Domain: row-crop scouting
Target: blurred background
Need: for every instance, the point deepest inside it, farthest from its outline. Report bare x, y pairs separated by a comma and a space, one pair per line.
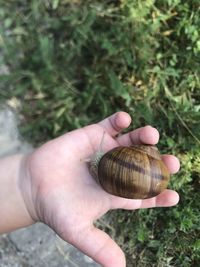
65, 64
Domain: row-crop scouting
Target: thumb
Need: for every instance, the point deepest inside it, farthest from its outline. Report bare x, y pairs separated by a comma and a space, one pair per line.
100, 247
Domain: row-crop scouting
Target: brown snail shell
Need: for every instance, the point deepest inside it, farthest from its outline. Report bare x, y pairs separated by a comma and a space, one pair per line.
136, 172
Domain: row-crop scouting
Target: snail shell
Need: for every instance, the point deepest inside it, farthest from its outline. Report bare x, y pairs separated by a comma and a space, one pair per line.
136, 172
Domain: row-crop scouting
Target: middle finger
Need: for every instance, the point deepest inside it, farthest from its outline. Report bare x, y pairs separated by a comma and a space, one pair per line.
144, 135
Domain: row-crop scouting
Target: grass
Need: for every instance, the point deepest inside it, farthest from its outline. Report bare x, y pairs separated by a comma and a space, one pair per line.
75, 62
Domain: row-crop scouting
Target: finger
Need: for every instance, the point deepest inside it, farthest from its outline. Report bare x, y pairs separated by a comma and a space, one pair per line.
172, 163
167, 198
145, 135
116, 122
100, 247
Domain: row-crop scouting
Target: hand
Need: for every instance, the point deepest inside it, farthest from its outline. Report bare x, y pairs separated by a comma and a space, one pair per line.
59, 191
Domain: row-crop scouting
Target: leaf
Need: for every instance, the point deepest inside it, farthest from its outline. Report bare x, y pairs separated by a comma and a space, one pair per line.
55, 4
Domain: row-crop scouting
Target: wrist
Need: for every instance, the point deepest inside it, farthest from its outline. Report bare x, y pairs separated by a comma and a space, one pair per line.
13, 209
26, 187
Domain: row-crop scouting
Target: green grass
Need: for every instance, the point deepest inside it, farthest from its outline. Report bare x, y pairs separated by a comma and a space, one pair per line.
75, 62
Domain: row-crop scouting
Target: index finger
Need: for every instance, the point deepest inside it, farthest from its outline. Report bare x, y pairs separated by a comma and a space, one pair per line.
115, 123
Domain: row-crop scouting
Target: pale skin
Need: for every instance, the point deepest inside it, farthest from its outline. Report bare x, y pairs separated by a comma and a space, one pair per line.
53, 185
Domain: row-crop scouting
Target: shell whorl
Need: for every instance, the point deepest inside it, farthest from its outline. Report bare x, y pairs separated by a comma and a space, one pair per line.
133, 172
136, 172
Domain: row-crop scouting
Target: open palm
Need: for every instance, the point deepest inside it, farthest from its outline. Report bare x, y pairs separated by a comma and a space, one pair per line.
63, 194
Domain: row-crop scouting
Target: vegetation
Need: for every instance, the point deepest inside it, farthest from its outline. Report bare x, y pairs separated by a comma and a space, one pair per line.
75, 62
